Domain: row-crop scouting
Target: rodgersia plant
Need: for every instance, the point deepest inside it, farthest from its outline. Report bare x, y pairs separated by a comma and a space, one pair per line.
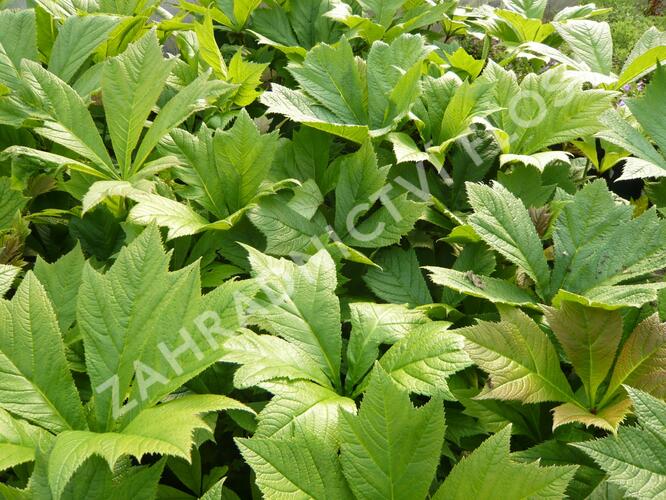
330, 249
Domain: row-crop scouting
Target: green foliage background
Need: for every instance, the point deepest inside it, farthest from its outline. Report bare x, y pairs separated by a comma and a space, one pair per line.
359, 249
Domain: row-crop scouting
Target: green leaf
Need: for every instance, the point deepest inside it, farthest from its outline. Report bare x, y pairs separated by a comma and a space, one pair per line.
208, 49
8, 275
642, 64
598, 244
467, 103
520, 359
302, 405
11, 203
135, 320
393, 79
358, 183
46, 397
591, 43
18, 441
545, 109
197, 169
131, 84
302, 466
243, 159
461, 60
613, 297
399, 280
18, 35
247, 75
286, 231
641, 359
504, 223
391, 449
387, 225
26, 161
68, 121
166, 429
648, 107
373, 325
61, 281
533, 9
298, 303
422, 361
76, 41
299, 107
503, 478
634, 459
190, 99
295, 28
590, 338
607, 418
94, 477
649, 162
179, 218
341, 97
265, 358
495, 290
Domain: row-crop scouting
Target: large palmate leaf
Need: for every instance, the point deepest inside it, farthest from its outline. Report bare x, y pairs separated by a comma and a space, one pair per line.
590, 338
520, 359
594, 250
503, 478
380, 444
635, 459
131, 85
128, 99
545, 109
354, 101
373, 325
135, 319
388, 19
166, 429
243, 159
444, 112
296, 28
597, 247
523, 363
226, 173
648, 110
29, 341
